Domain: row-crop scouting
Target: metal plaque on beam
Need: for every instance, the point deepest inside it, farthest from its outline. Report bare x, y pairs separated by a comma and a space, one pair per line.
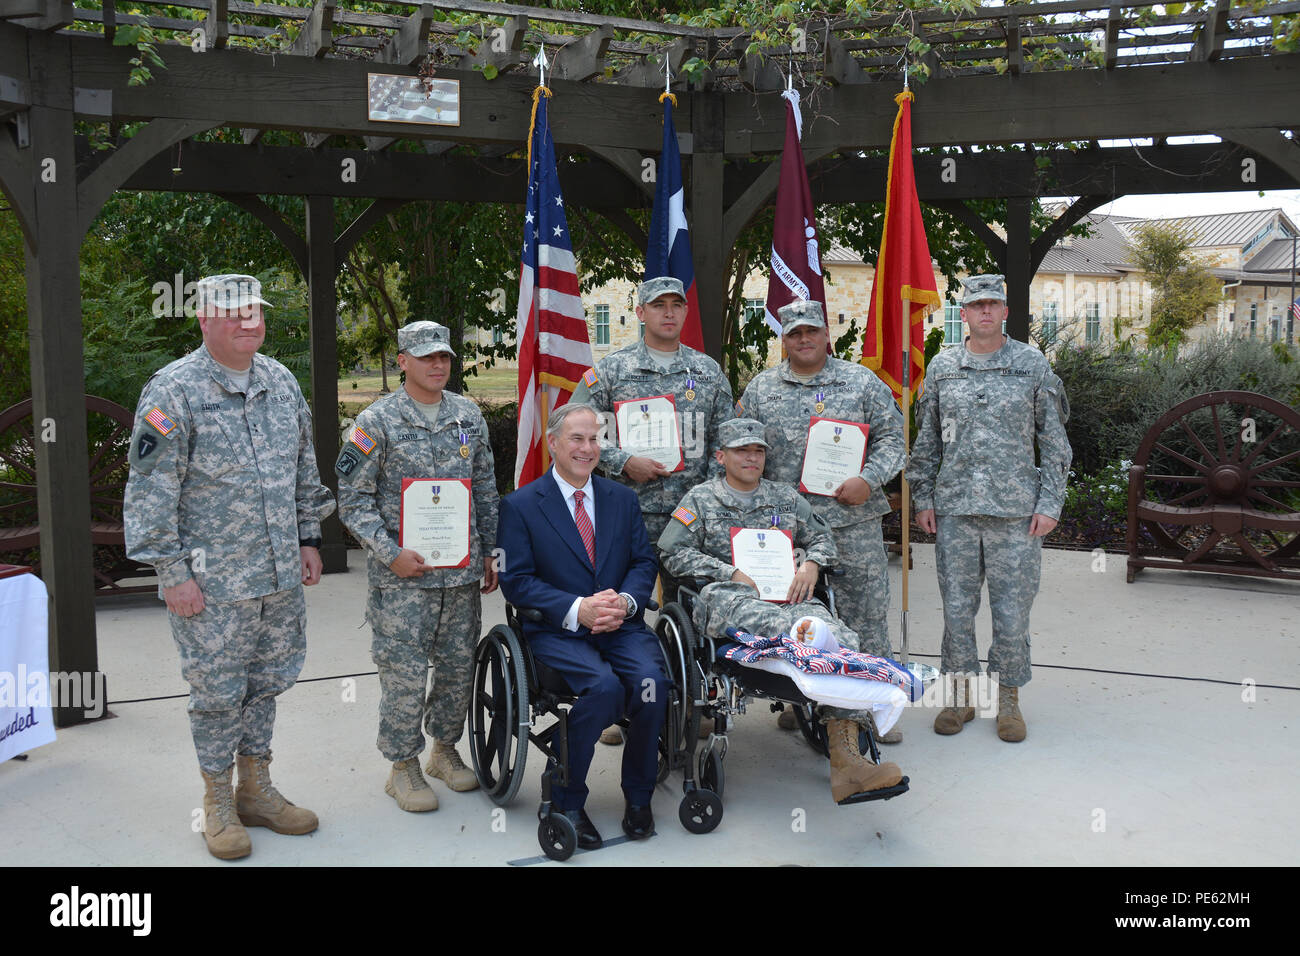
413, 99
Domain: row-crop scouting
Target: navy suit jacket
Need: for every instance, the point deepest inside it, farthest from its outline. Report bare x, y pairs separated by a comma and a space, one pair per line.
545, 564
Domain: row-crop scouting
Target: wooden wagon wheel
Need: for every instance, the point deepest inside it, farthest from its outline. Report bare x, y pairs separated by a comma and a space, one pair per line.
108, 433
1221, 470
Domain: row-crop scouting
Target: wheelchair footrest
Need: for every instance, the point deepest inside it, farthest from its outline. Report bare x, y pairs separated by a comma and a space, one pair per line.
885, 793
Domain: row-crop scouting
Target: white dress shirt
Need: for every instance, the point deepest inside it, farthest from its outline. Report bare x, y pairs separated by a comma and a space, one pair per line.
567, 490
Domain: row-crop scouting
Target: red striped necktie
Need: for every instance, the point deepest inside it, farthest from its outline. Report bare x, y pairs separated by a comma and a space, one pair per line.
585, 530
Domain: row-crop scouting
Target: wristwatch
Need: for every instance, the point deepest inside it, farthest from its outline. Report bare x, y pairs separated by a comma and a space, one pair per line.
310, 542
631, 603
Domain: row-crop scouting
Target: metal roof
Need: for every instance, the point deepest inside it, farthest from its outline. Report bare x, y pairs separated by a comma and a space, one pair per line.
1220, 229
1105, 252
1273, 256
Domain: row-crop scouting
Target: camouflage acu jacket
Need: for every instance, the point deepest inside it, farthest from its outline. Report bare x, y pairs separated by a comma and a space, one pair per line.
977, 427
223, 483
847, 391
402, 444
631, 373
697, 541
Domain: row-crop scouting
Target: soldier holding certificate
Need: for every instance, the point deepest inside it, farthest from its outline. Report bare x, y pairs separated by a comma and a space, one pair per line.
681, 389
810, 384
418, 489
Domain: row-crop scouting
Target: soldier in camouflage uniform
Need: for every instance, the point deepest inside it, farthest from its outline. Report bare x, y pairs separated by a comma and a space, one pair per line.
984, 408
697, 544
221, 450
420, 613
659, 365
810, 383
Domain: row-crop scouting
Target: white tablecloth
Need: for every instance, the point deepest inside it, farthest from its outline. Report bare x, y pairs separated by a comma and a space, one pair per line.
26, 721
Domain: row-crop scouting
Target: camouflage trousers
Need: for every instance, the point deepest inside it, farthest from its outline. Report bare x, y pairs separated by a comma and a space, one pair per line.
414, 627
862, 590
969, 548
237, 657
725, 604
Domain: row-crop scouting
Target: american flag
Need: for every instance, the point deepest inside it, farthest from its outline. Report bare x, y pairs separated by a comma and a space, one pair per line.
554, 349
1295, 309
160, 421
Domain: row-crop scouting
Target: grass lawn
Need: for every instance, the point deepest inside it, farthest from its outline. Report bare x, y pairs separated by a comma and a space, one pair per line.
493, 385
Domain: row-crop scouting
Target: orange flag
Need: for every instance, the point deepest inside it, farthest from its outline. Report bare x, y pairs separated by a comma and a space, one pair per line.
904, 291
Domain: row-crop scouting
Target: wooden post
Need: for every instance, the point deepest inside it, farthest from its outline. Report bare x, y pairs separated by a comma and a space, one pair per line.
323, 305
706, 217
58, 407
1019, 268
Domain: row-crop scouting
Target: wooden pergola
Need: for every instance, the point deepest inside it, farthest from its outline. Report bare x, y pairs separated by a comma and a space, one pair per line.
1052, 80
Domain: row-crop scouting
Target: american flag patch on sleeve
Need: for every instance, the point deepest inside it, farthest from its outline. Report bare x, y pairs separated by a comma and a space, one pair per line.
362, 441
685, 515
159, 421
589, 378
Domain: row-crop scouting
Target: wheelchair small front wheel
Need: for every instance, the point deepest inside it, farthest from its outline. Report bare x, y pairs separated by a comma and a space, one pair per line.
557, 836
700, 811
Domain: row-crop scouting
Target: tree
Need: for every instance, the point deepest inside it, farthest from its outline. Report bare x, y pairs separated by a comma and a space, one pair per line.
1183, 289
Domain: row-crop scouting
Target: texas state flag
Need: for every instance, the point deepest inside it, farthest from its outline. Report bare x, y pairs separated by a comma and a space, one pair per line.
668, 251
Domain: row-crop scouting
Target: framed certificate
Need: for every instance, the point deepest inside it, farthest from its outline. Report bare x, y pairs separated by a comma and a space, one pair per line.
648, 427
767, 556
836, 452
435, 520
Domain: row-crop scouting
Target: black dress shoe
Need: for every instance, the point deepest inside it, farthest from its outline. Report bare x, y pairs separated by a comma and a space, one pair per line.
588, 836
638, 822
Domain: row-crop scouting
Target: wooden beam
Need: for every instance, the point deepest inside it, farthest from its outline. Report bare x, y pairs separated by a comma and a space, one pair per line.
706, 217
583, 58
620, 219
1015, 49
996, 245
293, 243
649, 72
110, 19
410, 41
1209, 42
758, 73
38, 15
757, 195
377, 143
322, 307
316, 38
109, 175
1050, 236
1114, 19
316, 140
500, 51
364, 223
1269, 143
1016, 267
628, 162
839, 63
217, 24
12, 9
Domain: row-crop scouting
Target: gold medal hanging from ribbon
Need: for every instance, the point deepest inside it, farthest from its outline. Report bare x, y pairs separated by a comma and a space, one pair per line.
821, 402
464, 445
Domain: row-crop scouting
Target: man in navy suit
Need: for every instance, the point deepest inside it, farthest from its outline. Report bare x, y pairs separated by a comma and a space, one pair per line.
575, 549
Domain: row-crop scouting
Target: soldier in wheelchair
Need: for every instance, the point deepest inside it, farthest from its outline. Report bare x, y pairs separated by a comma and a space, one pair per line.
697, 547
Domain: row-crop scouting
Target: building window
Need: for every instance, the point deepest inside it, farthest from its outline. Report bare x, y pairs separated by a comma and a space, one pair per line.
496, 336
1253, 318
1051, 320
754, 309
1092, 324
602, 325
841, 318
951, 324
1275, 327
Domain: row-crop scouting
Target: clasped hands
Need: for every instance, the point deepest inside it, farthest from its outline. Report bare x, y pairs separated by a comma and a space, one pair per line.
602, 612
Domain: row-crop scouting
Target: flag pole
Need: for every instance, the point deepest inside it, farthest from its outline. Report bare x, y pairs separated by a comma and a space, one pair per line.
905, 337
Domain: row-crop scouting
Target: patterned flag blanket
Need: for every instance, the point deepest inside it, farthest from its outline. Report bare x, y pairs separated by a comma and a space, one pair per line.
754, 647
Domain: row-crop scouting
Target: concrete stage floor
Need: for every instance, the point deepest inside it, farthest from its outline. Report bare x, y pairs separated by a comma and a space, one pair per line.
1145, 748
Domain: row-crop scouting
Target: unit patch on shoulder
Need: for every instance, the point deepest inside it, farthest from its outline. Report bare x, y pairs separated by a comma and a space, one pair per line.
685, 515
160, 421
347, 461
362, 441
589, 378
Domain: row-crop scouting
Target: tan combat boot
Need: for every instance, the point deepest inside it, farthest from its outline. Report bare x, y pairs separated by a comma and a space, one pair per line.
445, 764
408, 787
224, 834
851, 772
1011, 724
951, 719
261, 805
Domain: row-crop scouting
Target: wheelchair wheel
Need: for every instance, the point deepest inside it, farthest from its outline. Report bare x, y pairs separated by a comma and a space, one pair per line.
700, 811
499, 715
677, 640
557, 836
712, 776
813, 730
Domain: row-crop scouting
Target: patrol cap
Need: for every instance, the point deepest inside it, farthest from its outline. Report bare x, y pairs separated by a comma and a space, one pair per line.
739, 432
230, 292
978, 288
652, 289
800, 312
424, 338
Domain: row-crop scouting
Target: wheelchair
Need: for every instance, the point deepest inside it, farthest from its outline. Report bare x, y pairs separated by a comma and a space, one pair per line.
511, 690
706, 684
